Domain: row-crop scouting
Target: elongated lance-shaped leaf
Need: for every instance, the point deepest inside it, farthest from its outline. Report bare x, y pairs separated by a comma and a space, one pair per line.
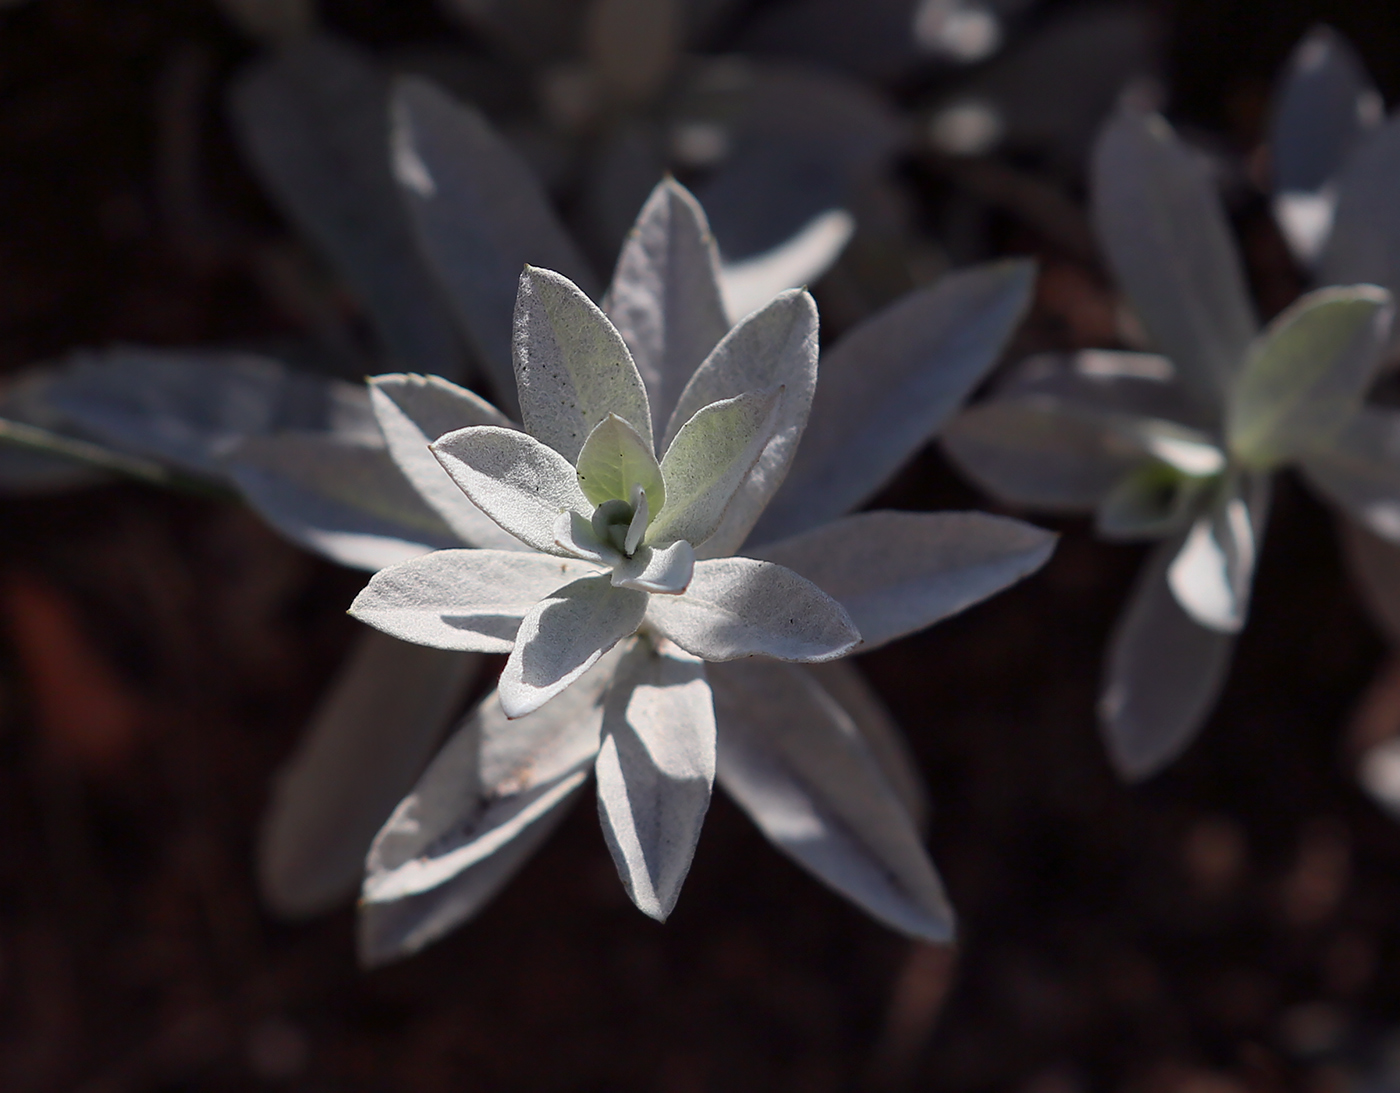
664, 298
189, 409
889, 385
776, 346
898, 572
792, 759
743, 607
1365, 241
747, 285
347, 502
1307, 374
614, 461
414, 411
655, 770
480, 809
1163, 674
563, 636
366, 744
1162, 225
572, 368
314, 119
480, 216
513, 478
1360, 471
1325, 106
709, 460
469, 600
1213, 573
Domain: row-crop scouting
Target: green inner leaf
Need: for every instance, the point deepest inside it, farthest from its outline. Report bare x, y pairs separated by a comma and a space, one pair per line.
613, 460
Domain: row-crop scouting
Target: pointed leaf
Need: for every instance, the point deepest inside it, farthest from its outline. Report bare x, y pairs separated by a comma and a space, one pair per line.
898, 572
470, 600
798, 261
889, 385
479, 215
562, 636
412, 412
1307, 374
513, 478
1163, 675
572, 368
664, 299
776, 346
313, 118
1360, 470
655, 770
657, 569
366, 744
1364, 244
344, 501
614, 459
792, 759
741, 607
1213, 573
1162, 225
709, 460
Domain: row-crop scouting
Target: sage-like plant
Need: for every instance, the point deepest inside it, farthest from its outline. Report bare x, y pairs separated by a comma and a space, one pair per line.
1181, 447
641, 649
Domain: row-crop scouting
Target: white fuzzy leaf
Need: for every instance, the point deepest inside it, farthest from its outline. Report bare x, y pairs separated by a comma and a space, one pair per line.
1213, 573
1163, 674
741, 607
898, 572
412, 412
801, 260
562, 636
657, 569
479, 215
470, 600
664, 299
513, 478
367, 742
709, 460
791, 758
655, 770
572, 368
889, 385
1163, 227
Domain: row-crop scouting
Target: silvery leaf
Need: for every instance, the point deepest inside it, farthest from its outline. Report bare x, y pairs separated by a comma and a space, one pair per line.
190, 408
708, 461
1112, 381
898, 572
34, 459
1163, 674
1213, 573
741, 607
344, 501
469, 600
313, 118
479, 214
614, 460
367, 742
664, 298
1360, 470
1364, 244
746, 285
412, 412
1162, 225
513, 478
481, 808
562, 636
776, 346
664, 570
889, 385
655, 770
847, 686
572, 368
1307, 374
1152, 501
792, 759
1375, 564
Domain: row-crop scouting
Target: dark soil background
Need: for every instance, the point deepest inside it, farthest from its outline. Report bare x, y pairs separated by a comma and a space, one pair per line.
1232, 925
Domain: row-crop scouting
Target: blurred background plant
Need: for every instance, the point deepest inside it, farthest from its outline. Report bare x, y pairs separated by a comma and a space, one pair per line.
1229, 925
